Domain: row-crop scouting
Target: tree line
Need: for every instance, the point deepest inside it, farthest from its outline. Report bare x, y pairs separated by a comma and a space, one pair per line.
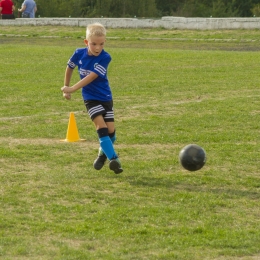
146, 8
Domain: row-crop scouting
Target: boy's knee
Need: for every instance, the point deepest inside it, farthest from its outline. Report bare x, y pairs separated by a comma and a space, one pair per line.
102, 132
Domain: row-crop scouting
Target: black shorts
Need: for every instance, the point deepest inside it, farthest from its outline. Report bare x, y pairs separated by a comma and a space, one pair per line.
96, 108
8, 16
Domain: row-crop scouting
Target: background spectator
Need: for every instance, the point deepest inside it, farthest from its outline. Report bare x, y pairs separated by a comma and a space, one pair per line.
7, 9
28, 9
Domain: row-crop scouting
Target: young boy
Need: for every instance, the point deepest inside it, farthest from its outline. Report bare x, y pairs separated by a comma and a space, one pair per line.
92, 63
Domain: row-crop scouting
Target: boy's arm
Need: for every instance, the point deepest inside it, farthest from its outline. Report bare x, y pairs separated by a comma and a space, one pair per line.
82, 83
67, 77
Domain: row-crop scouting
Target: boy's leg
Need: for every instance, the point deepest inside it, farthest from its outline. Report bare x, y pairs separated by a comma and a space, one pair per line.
106, 144
115, 165
112, 137
108, 148
101, 159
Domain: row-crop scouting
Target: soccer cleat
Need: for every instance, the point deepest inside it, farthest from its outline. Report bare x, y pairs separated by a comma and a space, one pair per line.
115, 165
100, 161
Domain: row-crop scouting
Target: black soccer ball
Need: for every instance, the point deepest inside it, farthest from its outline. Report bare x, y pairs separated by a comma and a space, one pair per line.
192, 157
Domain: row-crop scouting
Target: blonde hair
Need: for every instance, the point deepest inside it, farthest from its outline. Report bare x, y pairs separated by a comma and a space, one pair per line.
95, 29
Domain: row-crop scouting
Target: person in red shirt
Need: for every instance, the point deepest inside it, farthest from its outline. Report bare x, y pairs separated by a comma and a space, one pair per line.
7, 9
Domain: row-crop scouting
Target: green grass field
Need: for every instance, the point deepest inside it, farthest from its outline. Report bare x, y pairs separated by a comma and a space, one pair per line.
171, 88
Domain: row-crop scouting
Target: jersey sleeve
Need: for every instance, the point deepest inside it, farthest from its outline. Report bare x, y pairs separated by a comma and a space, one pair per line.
73, 61
100, 68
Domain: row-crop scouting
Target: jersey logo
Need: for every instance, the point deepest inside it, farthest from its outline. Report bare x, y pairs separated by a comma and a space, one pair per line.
83, 72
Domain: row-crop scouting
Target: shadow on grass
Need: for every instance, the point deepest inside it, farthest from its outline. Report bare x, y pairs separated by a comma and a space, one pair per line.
151, 182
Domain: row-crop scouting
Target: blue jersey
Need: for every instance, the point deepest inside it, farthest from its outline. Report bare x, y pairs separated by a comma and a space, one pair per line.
99, 88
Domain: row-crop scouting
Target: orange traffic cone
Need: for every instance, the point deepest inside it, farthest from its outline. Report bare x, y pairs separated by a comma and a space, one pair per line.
72, 132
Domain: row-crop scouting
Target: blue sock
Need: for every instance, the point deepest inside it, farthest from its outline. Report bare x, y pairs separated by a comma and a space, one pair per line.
106, 143
112, 137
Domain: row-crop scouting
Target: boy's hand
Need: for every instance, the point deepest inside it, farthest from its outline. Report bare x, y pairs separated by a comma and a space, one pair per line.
67, 95
66, 89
